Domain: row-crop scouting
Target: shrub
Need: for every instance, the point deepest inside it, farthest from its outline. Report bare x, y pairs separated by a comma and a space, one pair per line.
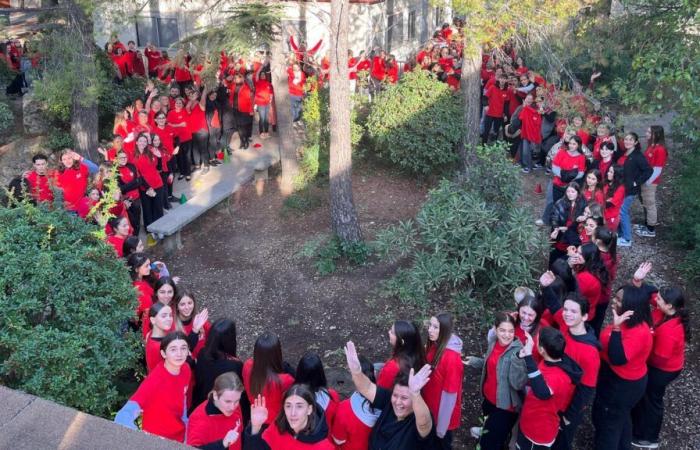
59, 139
470, 241
328, 252
416, 124
65, 300
7, 119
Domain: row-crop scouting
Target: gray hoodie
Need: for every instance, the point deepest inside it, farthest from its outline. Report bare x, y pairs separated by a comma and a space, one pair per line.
510, 371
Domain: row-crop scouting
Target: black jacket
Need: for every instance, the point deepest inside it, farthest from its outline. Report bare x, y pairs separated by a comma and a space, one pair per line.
636, 171
562, 209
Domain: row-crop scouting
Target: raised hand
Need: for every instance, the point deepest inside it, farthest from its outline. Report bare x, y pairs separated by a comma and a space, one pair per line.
199, 320
258, 414
618, 320
642, 271
547, 278
233, 435
529, 344
416, 381
352, 358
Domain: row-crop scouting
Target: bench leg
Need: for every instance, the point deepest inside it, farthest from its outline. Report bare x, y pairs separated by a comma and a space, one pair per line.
172, 243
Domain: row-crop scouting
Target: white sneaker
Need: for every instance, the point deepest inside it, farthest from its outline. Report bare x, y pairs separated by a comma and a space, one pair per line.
539, 222
623, 242
475, 432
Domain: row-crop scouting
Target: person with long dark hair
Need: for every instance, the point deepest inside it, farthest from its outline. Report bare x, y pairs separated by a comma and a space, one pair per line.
563, 220
671, 332
162, 396
503, 378
656, 154
606, 241
443, 393
218, 422
407, 352
636, 172
140, 271
529, 319
151, 190
197, 123
591, 274
72, 178
242, 99
177, 119
299, 425
568, 165
627, 343
129, 181
310, 372
264, 374
614, 190
212, 113
185, 311
355, 417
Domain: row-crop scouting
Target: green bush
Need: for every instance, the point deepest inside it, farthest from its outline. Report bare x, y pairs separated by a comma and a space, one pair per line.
59, 139
685, 215
65, 301
471, 241
6, 116
416, 124
328, 252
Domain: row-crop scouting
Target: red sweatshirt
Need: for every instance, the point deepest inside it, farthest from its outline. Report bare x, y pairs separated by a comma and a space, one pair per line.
74, 183
378, 68
565, 161
208, 425
263, 92
40, 186
637, 342
148, 169
497, 100
612, 212
386, 376
531, 128
296, 85
668, 351
591, 289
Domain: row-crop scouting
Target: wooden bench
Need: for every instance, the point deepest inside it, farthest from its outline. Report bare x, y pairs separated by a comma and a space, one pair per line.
226, 182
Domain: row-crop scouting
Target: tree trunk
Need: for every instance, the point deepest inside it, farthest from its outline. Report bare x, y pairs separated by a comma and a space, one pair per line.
343, 214
287, 138
84, 122
471, 90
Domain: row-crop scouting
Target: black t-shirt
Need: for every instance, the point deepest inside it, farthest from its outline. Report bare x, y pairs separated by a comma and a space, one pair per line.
389, 433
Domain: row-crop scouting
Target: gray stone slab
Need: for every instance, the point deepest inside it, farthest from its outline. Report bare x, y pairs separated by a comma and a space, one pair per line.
42, 424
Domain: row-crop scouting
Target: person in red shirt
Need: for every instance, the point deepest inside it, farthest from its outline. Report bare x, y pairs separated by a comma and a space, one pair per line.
241, 100
300, 51
626, 346
603, 135
129, 182
407, 352
567, 166
72, 178
503, 379
355, 417
497, 95
591, 274
552, 384
671, 330
614, 190
378, 71
87, 203
295, 82
162, 396
352, 71
529, 318
263, 101
593, 187
151, 189
120, 228
392, 70
153, 57
299, 426
218, 422
264, 374
186, 319
197, 123
657, 155
177, 119
160, 318
443, 393
182, 73
142, 279
40, 180
122, 62
606, 241
310, 373
530, 131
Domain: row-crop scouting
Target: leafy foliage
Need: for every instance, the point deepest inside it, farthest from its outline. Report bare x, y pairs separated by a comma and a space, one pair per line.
416, 124
470, 240
65, 300
6, 116
6, 73
59, 139
328, 252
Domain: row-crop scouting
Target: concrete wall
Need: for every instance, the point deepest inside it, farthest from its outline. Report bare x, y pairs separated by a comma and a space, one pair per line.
28, 422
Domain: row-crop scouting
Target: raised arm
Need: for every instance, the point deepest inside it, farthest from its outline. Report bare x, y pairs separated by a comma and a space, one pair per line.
416, 381
363, 385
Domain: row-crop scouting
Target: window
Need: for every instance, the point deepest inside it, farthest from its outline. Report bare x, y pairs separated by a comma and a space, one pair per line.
438, 17
160, 31
394, 30
412, 25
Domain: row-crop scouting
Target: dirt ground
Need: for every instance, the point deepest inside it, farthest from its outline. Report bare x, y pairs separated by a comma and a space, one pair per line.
245, 265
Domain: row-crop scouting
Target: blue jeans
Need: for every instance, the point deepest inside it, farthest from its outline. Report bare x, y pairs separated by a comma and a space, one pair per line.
296, 102
263, 122
626, 218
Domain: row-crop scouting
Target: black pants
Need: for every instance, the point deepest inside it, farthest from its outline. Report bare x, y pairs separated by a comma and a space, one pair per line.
244, 123
200, 152
612, 409
648, 415
152, 207
524, 443
214, 142
445, 443
184, 164
567, 433
495, 433
134, 212
226, 135
597, 322
167, 189
491, 122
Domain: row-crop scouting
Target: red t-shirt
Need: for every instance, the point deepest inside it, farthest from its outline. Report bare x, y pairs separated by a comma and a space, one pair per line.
531, 128
497, 100
148, 169
177, 117
153, 356
598, 143
196, 120
539, 419
39, 187
182, 74
127, 175
295, 85
668, 351
587, 356
349, 428
657, 156
567, 162
74, 183
597, 196
591, 288
167, 137
447, 376
285, 441
363, 65
154, 59
273, 392
163, 398
378, 68
118, 243
263, 92
208, 425
637, 342
392, 74
491, 380
612, 212
386, 376
145, 293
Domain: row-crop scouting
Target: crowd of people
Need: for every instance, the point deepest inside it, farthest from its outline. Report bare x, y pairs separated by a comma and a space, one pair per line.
549, 362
